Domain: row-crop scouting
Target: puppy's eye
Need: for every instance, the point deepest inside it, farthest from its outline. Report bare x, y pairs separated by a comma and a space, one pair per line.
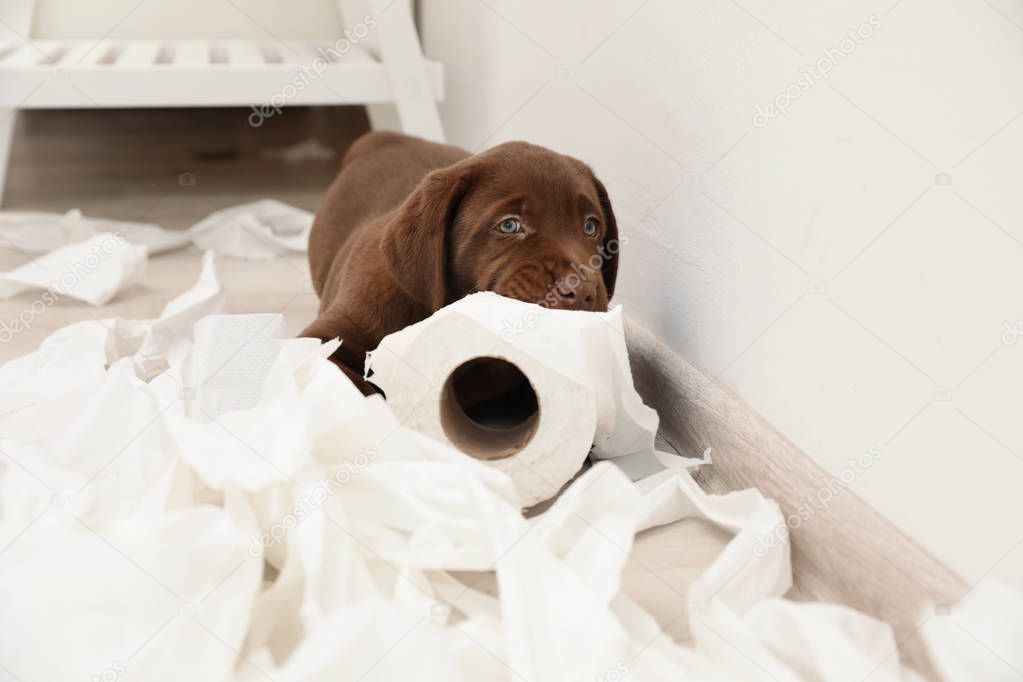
590, 227
510, 226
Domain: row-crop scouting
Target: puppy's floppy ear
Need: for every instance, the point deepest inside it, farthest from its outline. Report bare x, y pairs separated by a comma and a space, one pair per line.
415, 243
611, 246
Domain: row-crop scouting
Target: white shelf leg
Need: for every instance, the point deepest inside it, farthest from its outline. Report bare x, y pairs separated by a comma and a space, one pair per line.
17, 16
384, 116
7, 117
402, 57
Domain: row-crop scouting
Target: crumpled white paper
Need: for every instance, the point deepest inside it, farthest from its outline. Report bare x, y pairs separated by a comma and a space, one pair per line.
93, 270
35, 232
258, 230
92, 259
261, 230
304, 534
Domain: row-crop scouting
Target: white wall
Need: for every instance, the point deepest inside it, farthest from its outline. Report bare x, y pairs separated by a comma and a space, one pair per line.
814, 264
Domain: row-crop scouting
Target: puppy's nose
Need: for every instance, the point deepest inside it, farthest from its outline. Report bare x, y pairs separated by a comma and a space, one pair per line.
578, 297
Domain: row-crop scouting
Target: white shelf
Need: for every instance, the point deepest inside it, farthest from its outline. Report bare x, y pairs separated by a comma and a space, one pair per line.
89, 74
145, 73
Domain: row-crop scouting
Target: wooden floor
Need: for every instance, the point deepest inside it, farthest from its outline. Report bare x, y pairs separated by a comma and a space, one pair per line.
140, 165
173, 166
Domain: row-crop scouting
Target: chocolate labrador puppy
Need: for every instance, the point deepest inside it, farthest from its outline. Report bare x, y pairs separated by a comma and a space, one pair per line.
409, 226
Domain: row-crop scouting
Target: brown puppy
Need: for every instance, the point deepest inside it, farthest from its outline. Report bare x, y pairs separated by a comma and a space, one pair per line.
409, 226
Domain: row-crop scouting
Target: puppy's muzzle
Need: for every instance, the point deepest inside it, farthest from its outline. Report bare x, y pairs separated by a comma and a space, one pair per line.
574, 296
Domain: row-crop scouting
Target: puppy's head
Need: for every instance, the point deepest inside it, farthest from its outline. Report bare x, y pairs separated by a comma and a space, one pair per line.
519, 220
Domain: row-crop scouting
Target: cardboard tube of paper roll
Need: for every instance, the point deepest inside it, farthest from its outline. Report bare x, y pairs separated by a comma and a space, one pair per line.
533, 423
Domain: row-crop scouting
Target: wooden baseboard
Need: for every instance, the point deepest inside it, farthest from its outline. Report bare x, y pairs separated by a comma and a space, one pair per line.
845, 551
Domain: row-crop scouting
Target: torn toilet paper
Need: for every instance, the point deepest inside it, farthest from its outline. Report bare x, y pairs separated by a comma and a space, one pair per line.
574, 363
92, 259
93, 270
259, 230
33, 232
153, 526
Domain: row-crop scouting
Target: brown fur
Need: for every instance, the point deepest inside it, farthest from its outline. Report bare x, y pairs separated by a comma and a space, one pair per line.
408, 226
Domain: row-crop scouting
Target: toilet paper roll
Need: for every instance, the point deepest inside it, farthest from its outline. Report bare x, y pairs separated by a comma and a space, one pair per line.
458, 382
589, 348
